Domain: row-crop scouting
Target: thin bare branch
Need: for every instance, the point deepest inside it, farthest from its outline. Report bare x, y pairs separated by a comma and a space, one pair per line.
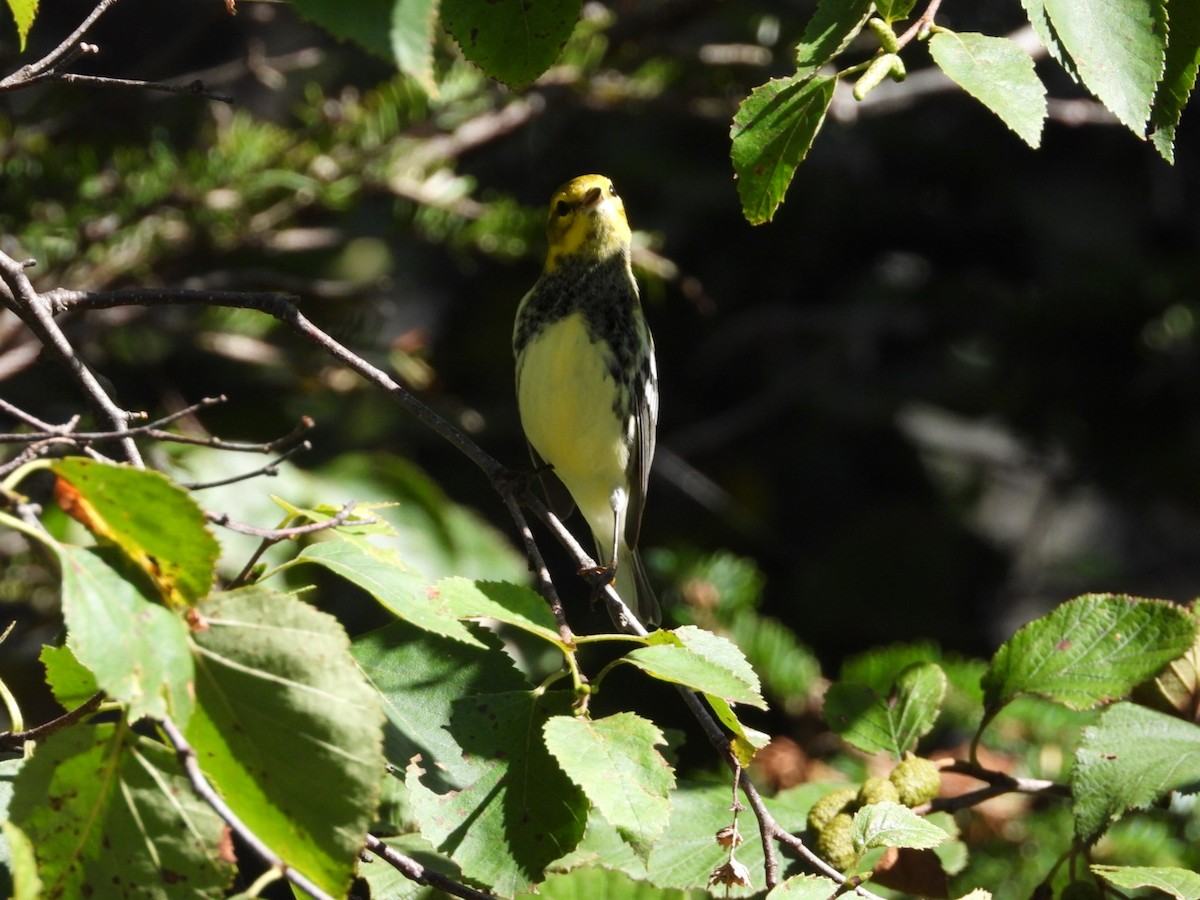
270, 469
414, 871
55, 57
31, 308
14, 741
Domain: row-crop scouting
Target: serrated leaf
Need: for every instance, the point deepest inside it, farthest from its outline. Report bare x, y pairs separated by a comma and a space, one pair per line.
513, 41
288, 729
614, 761
154, 522
1042, 26
893, 724
1179, 76
711, 665
1180, 883
96, 804
512, 604
804, 887
715, 648
137, 649
893, 825
1089, 651
521, 813
834, 24
24, 12
1177, 689
71, 683
419, 676
366, 22
999, 74
382, 574
771, 134
1128, 759
1118, 48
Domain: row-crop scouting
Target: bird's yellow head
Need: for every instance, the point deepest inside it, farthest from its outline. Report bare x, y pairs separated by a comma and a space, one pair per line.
587, 219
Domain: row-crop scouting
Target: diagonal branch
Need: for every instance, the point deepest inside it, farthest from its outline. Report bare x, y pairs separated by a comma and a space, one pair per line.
35, 313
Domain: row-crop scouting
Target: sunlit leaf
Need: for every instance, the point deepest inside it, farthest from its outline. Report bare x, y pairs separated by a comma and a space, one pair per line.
999, 74
771, 134
1128, 759
288, 729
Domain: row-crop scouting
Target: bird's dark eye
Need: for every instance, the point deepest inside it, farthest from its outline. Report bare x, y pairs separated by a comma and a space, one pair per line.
612, 190
561, 208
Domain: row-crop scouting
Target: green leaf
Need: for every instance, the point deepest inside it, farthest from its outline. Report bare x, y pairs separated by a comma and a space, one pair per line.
1044, 28
1118, 47
614, 762
833, 25
368, 23
894, 10
1179, 883
771, 134
97, 805
521, 813
1128, 759
1089, 651
413, 24
895, 724
509, 603
288, 729
419, 676
513, 41
893, 825
156, 523
24, 12
805, 887
746, 741
71, 683
1179, 76
593, 883
136, 648
16, 855
381, 573
997, 73
700, 660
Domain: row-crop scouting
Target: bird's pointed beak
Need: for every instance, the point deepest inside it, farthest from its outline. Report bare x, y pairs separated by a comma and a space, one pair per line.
592, 197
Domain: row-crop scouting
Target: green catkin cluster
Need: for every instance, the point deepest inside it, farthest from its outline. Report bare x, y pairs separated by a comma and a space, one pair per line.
913, 782
917, 781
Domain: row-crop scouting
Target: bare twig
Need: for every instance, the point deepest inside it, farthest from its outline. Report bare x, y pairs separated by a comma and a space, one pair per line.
283, 534
55, 57
50, 67
997, 783
196, 88
15, 740
414, 871
31, 308
67, 430
270, 469
272, 536
187, 759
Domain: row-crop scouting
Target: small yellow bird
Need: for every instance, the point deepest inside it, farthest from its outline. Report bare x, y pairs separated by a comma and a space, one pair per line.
587, 385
